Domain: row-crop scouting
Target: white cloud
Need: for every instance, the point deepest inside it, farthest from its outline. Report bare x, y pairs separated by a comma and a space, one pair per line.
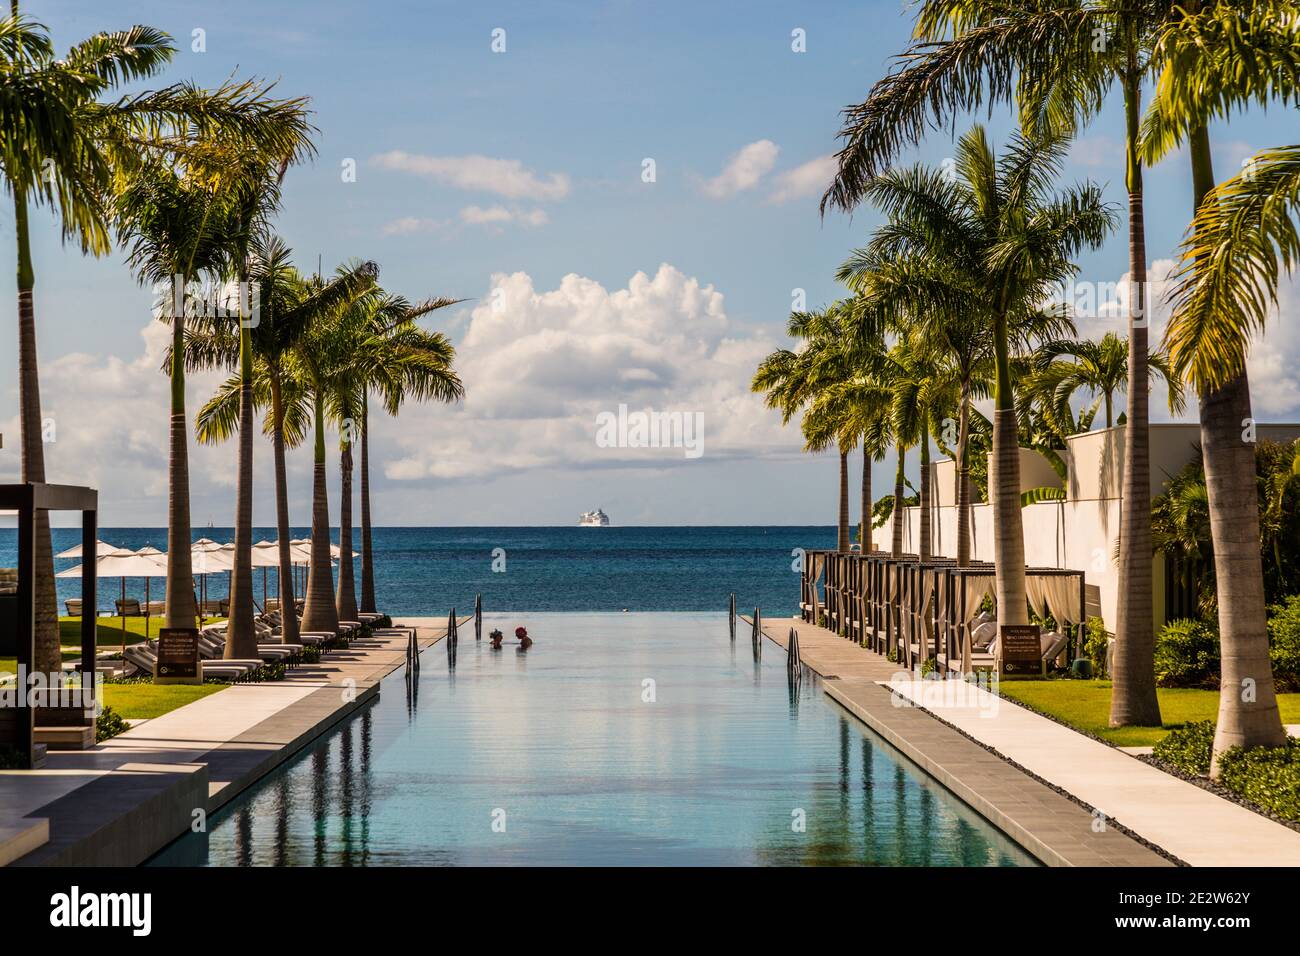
744, 170
810, 179
505, 177
411, 224
500, 215
540, 365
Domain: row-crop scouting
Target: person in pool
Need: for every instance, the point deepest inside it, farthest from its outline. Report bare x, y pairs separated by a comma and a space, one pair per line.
496, 637
525, 641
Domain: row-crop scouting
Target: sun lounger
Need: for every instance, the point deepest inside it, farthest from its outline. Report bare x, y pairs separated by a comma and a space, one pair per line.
128, 608
74, 607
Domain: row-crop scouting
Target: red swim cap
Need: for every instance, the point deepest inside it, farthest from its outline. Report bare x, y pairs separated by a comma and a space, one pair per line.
521, 632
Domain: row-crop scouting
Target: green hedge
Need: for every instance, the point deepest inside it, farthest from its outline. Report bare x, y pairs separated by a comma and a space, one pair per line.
1188, 748
1187, 655
1284, 642
1269, 777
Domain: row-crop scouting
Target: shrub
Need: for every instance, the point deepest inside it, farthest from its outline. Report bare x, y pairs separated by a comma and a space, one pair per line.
109, 723
1284, 642
1187, 654
1096, 644
1267, 776
1188, 748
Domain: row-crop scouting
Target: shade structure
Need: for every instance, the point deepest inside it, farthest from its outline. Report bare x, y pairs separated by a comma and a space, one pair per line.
101, 548
336, 550
122, 564
266, 554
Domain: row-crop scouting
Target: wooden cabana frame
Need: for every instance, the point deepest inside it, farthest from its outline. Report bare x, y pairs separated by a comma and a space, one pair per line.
17, 724
898, 604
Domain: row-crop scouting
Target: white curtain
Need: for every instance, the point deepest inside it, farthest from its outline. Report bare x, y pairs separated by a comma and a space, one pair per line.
1058, 594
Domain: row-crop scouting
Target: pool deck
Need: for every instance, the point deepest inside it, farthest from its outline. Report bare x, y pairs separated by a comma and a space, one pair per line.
1005, 760
124, 800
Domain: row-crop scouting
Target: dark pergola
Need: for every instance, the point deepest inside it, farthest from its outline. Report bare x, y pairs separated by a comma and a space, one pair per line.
19, 730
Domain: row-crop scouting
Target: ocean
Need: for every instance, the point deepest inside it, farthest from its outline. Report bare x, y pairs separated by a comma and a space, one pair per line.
426, 571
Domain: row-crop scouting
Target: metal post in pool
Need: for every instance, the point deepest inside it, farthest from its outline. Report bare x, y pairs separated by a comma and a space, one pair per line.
793, 659
757, 637
731, 617
478, 617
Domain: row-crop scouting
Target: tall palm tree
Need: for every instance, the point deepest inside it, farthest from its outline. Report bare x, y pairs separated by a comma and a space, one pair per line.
1001, 218
1217, 57
64, 142
792, 380
1055, 59
405, 362
291, 306
1066, 366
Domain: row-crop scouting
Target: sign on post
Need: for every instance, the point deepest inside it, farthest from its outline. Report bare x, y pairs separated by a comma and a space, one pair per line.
1020, 651
178, 657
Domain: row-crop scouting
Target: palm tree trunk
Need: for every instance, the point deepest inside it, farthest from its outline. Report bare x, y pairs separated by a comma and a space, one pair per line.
241, 637
896, 525
1248, 711
842, 538
47, 657
1133, 700
319, 614
924, 492
864, 539
181, 609
1004, 491
963, 479
346, 599
288, 606
367, 546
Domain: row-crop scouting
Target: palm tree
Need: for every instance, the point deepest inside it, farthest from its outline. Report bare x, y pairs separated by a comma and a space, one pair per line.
253, 179
1215, 57
792, 380
1100, 367
1055, 59
289, 306
406, 361
64, 142
998, 218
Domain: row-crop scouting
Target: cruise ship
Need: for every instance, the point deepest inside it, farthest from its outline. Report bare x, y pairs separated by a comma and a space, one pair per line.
594, 519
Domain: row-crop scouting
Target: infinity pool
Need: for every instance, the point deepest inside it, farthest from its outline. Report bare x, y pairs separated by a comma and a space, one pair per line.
617, 739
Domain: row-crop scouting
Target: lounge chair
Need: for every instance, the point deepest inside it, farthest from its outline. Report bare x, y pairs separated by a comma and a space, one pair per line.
74, 607
272, 604
145, 660
156, 608
128, 608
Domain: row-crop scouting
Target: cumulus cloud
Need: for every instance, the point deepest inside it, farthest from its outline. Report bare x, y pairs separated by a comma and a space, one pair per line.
809, 179
539, 366
500, 215
505, 177
743, 171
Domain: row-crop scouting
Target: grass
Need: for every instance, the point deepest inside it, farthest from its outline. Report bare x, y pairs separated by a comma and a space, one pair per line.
1085, 704
138, 701
108, 630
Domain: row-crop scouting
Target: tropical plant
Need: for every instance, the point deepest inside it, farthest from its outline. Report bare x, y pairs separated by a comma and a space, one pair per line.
404, 362
1056, 60
65, 143
1066, 366
1001, 219
293, 309
1217, 57
289, 305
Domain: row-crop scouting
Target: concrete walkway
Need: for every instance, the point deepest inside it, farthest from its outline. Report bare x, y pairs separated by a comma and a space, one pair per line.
122, 801
1188, 822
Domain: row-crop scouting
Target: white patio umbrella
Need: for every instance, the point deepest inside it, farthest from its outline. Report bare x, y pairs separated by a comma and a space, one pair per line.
101, 548
121, 564
266, 554
209, 557
150, 552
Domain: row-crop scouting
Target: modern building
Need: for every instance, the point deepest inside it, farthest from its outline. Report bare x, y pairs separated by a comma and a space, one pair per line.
1080, 532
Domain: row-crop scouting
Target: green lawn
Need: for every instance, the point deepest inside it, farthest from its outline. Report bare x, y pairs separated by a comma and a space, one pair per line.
152, 700
108, 630
1086, 704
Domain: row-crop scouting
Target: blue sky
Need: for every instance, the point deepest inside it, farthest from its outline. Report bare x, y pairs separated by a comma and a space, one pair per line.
480, 171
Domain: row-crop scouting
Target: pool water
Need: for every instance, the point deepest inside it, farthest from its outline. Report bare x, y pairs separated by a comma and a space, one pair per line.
617, 739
